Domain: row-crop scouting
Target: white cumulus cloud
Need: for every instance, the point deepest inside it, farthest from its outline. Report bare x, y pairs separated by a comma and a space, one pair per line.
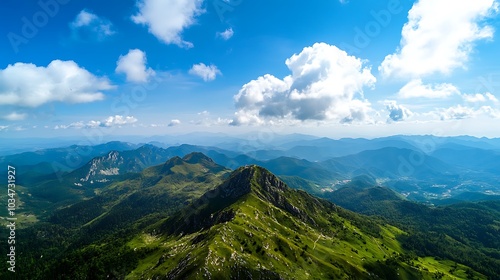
474, 98
28, 85
166, 19
397, 112
416, 89
491, 97
88, 25
459, 112
456, 113
206, 72
439, 37
133, 65
479, 97
490, 111
226, 35
325, 84
174, 122
118, 121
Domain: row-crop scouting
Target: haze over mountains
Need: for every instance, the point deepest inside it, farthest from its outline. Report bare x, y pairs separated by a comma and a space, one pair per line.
424, 168
256, 210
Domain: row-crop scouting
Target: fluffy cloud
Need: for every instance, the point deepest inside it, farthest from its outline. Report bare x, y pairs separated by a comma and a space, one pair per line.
111, 121
323, 85
166, 19
14, 116
29, 85
87, 25
174, 122
207, 73
489, 111
439, 37
491, 97
133, 65
416, 89
456, 113
226, 35
474, 98
397, 112
118, 121
478, 98
460, 112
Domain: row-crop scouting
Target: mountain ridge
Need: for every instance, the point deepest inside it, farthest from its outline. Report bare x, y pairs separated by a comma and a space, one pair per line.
189, 222
275, 233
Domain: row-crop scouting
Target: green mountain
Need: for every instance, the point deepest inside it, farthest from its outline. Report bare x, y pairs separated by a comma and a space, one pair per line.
325, 148
190, 218
33, 168
302, 168
117, 212
66, 158
105, 168
368, 200
474, 160
87, 180
393, 162
467, 232
254, 227
171, 184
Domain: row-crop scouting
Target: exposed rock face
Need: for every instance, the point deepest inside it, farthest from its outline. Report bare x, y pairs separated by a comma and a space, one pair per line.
110, 171
238, 184
97, 166
276, 191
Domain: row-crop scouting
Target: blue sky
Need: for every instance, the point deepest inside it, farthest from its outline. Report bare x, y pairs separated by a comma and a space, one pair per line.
330, 68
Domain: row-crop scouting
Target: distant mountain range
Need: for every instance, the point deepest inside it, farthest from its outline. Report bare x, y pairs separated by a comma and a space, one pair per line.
261, 211
190, 218
447, 170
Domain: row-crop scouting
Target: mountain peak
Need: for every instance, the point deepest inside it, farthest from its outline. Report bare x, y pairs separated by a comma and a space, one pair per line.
171, 163
252, 178
147, 147
216, 205
193, 162
196, 157
238, 184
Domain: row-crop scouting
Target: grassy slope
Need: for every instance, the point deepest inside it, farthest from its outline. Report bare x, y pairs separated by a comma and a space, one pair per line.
266, 238
119, 210
467, 232
264, 241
